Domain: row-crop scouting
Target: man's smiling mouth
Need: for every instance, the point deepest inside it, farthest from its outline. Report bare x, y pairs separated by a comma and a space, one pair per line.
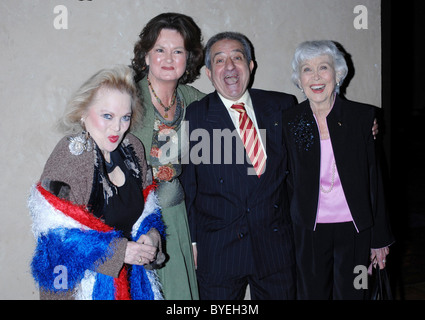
231, 79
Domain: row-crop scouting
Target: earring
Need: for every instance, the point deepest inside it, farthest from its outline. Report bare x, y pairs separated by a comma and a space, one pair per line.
338, 82
298, 85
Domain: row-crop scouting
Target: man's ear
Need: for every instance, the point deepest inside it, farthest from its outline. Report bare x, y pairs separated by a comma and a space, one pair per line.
208, 73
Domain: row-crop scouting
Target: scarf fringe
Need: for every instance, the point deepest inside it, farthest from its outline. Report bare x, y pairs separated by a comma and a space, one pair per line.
65, 235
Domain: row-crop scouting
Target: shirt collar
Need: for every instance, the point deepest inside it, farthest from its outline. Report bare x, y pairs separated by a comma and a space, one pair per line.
246, 99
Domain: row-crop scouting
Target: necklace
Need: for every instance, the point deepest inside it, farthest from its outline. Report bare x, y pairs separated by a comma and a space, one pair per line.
332, 181
173, 100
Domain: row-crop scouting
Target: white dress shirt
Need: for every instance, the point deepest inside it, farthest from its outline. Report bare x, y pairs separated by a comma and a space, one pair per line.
234, 115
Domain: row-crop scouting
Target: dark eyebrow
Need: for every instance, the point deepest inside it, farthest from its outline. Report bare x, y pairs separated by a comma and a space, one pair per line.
236, 50
216, 54
240, 51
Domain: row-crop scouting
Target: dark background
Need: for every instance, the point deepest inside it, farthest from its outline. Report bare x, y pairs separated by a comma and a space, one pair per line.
401, 131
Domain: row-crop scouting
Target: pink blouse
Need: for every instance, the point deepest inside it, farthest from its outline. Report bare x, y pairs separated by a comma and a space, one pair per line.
332, 206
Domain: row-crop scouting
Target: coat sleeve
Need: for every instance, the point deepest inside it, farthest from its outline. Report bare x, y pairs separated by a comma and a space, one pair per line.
381, 232
74, 171
188, 178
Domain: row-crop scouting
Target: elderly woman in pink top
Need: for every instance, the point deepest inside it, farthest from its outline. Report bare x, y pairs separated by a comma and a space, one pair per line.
335, 187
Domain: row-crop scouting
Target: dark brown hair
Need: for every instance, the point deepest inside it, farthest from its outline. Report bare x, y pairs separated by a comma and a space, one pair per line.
192, 37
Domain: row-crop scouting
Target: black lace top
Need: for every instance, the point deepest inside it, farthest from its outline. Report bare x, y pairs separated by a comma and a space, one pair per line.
121, 206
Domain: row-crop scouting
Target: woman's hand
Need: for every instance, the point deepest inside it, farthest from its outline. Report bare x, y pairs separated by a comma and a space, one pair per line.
140, 253
378, 256
152, 238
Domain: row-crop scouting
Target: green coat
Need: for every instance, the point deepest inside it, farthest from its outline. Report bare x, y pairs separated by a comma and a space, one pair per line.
145, 132
178, 276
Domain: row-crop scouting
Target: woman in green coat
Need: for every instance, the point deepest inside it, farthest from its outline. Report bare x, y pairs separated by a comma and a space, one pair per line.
169, 55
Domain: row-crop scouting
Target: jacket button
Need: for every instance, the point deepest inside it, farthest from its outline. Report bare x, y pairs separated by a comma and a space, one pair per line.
240, 235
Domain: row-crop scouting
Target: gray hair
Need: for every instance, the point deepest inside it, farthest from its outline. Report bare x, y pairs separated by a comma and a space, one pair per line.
229, 35
312, 49
119, 77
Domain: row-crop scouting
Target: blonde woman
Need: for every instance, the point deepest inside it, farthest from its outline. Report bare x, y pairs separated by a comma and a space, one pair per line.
95, 216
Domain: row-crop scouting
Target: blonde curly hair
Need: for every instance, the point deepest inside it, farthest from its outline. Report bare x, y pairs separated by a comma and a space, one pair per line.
119, 77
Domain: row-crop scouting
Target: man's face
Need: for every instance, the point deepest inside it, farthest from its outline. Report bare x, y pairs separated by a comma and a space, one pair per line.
230, 71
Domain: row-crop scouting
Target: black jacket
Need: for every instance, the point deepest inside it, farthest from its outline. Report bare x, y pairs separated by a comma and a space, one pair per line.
238, 220
350, 129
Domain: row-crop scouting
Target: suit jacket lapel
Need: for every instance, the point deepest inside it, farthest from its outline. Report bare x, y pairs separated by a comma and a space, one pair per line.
218, 114
338, 128
268, 117
264, 111
220, 119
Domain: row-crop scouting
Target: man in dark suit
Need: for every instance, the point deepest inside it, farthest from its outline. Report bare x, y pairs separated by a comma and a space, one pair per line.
235, 184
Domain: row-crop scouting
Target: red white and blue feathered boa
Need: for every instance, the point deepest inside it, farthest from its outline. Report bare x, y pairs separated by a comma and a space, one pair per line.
69, 235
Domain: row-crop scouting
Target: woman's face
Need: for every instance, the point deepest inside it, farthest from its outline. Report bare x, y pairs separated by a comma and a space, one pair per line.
107, 119
318, 78
167, 58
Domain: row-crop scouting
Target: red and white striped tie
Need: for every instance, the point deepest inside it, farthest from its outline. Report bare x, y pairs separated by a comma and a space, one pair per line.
250, 139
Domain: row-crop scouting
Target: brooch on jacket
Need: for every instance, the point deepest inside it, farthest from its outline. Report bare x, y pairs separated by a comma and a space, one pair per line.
302, 130
79, 144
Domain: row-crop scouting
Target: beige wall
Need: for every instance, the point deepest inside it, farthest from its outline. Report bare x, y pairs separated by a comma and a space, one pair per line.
40, 66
